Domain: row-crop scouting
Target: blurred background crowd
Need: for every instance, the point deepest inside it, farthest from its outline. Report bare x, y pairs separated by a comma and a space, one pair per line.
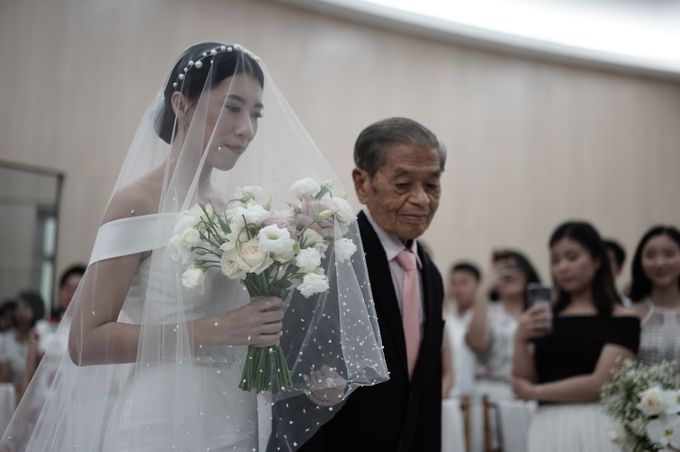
538, 131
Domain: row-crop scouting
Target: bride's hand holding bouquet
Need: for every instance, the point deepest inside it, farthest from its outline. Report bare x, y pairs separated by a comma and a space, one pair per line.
271, 253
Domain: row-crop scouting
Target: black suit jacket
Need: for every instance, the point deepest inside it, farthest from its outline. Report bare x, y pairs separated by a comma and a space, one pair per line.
400, 414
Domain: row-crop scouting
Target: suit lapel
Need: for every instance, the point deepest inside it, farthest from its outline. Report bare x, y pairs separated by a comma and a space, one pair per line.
382, 288
432, 321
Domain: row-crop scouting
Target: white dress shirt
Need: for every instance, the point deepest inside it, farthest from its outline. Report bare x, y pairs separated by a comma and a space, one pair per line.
393, 246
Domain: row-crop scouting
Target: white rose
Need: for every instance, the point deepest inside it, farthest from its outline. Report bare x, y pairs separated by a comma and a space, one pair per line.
313, 283
252, 194
229, 265
276, 240
251, 258
177, 251
193, 278
308, 260
305, 187
344, 248
253, 214
652, 401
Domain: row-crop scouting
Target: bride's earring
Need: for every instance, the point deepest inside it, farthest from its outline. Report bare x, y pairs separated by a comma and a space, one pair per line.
219, 148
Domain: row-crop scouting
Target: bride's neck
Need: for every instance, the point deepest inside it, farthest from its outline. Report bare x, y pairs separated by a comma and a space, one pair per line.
180, 179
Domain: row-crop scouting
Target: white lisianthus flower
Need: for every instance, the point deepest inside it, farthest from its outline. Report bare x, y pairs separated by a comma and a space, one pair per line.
188, 219
313, 283
344, 215
616, 433
305, 187
253, 214
229, 265
665, 430
672, 399
311, 238
277, 241
189, 237
232, 238
638, 425
193, 278
344, 248
343, 210
252, 259
652, 401
252, 194
308, 260
178, 252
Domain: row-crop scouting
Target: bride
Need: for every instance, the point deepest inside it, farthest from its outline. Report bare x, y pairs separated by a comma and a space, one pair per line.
154, 366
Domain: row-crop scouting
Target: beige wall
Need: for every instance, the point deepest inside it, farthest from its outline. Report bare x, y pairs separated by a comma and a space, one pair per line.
530, 143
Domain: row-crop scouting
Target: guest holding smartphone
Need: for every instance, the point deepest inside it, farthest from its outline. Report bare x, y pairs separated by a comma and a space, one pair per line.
492, 328
564, 369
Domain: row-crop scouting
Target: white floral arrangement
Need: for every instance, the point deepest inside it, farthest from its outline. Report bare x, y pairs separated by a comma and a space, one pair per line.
269, 252
644, 401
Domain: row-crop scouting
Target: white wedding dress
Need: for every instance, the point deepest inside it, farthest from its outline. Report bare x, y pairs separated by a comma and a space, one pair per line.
164, 407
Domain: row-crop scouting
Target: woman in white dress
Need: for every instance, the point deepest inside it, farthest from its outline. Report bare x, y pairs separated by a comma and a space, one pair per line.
154, 366
493, 324
655, 290
15, 342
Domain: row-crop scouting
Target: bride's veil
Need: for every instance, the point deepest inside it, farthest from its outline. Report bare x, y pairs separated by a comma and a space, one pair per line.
175, 387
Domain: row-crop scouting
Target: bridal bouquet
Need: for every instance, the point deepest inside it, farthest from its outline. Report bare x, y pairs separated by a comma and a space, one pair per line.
644, 400
270, 252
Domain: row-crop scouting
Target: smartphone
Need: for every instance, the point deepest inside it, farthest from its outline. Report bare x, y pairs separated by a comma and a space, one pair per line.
539, 294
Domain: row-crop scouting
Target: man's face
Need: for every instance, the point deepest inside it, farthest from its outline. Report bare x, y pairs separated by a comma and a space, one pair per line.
403, 195
463, 287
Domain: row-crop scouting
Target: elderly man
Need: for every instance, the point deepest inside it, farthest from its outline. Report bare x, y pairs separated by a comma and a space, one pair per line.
398, 167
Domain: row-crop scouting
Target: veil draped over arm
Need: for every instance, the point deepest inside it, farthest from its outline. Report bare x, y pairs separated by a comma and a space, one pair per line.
142, 363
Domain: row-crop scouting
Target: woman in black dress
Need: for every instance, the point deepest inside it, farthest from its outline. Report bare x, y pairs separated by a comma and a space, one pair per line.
563, 363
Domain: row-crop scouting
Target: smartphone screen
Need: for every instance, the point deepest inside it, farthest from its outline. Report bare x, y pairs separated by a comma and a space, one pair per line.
538, 293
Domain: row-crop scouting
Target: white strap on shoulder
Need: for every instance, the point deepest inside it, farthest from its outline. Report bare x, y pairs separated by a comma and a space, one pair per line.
132, 235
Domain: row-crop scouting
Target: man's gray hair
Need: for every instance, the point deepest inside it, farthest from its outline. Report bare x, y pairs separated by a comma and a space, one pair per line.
372, 143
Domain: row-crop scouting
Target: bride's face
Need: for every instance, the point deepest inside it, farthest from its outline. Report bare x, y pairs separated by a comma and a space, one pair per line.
233, 112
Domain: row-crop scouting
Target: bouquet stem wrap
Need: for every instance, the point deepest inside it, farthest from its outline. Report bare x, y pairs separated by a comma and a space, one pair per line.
266, 368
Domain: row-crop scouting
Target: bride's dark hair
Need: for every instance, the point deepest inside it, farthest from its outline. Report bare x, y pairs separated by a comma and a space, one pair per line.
224, 65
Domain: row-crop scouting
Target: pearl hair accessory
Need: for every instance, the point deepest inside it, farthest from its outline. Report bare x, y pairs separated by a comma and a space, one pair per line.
200, 61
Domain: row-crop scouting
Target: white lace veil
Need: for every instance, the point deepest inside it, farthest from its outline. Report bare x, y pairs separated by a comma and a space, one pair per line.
141, 366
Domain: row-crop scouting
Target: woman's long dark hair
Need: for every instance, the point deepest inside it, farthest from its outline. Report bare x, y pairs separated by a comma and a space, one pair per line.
604, 291
641, 286
225, 64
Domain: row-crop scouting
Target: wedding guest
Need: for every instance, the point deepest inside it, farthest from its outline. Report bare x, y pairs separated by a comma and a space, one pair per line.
617, 257
463, 284
68, 283
399, 163
655, 290
14, 342
563, 363
44, 329
6, 314
492, 327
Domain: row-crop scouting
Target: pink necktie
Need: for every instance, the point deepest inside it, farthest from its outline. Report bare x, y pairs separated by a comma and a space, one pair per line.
410, 315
